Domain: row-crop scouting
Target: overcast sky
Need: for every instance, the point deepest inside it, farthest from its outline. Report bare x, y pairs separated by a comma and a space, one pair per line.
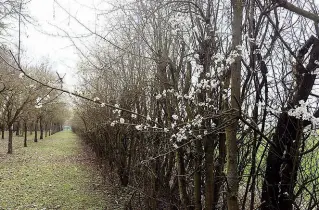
38, 44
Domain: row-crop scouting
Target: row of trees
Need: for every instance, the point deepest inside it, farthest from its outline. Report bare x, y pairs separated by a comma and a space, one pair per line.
206, 104
28, 105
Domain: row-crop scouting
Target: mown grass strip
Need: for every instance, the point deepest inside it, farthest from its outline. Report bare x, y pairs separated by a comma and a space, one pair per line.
50, 174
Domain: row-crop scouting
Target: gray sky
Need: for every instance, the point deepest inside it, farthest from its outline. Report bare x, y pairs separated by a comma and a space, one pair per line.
38, 45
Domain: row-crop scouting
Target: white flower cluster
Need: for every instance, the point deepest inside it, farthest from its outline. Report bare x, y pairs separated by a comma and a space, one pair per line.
316, 71
38, 104
139, 127
120, 121
175, 117
302, 112
134, 116
218, 57
95, 99
144, 127
180, 135
117, 110
158, 96
165, 92
231, 58
183, 133
207, 84
197, 122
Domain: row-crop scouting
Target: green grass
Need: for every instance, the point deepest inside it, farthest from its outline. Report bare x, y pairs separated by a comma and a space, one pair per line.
54, 173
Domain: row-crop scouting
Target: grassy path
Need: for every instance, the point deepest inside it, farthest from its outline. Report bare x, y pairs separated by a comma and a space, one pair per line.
54, 173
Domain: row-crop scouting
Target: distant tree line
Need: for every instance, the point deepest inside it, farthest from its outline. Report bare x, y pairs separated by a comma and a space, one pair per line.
29, 106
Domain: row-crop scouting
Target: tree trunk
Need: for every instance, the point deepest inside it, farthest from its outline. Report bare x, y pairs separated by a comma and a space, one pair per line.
25, 134
231, 130
10, 139
41, 128
18, 129
197, 176
283, 156
181, 178
219, 179
2, 131
50, 129
53, 128
36, 131
31, 126
46, 130
209, 171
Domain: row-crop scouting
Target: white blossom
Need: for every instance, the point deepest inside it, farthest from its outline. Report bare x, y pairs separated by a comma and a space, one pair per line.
164, 93
173, 125
116, 110
239, 47
257, 51
38, 100
197, 121
102, 104
139, 127
38, 106
316, 71
21, 75
175, 117
122, 120
134, 116
170, 90
96, 99
301, 112
218, 57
